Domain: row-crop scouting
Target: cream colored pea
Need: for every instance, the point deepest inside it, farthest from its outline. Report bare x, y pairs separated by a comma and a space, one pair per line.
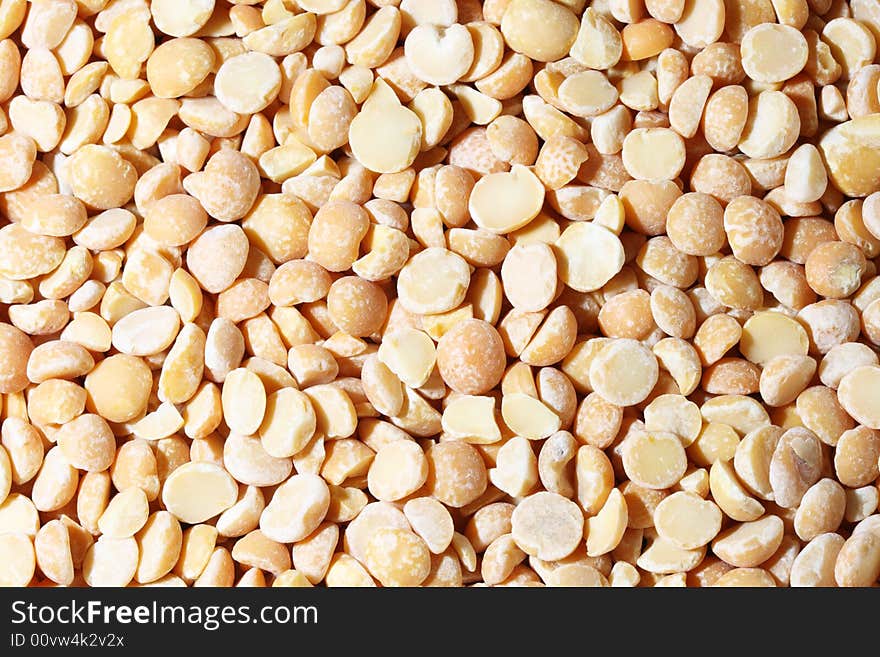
244, 401
851, 44
433, 281
228, 186
805, 176
18, 514
785, 377
19, 560
858, 562
385, 136
624, 372
547, 526
313, 555
409, 354
92, 499
439, 55
472, 419
175, 220
605, 530
528, 417
178, 66
100, 177
674, 414
516, 468
766, 335
431, 521
245, 459
505, 202
18, 153
750, 543
244, 515
334, 411
734, 284
111, 562
555, 461
716, 441
58, 359
488, 523
136, 466
24, 448
746, 577
597, 422
701, 23
754, 230
243, 300
772, 127
87, 443
197, 491
289, 422
257, 551
224, 348
27, 255
125, 515
598, 44
835, 269
856, 457
773, 53
40, 318
795, 466
397, 557
639, 92
55, 483
687, 105
653, 154
587, 94
814, 565
624, 575
159, 544
654, 459
500, 559
662, 557
345, 459
57, 215
52, 545
861, 503
55, 402
184, 365
246, 84
854, 394
371, 518
298, 281
752, 459
383, 388
345, 570
821, 510
399, 469
147, 331
219, 571
529, 276
540, 29
588, 256
297, 508
456, 473
687, 521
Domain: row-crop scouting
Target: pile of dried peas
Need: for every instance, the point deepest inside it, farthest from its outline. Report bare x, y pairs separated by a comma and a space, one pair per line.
439, 292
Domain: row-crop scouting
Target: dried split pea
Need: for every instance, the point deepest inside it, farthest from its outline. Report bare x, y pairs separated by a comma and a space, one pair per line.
329, 280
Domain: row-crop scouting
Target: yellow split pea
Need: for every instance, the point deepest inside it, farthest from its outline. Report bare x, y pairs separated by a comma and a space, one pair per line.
438, 293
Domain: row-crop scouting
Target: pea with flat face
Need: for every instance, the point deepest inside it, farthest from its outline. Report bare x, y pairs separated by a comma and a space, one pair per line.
547, 525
